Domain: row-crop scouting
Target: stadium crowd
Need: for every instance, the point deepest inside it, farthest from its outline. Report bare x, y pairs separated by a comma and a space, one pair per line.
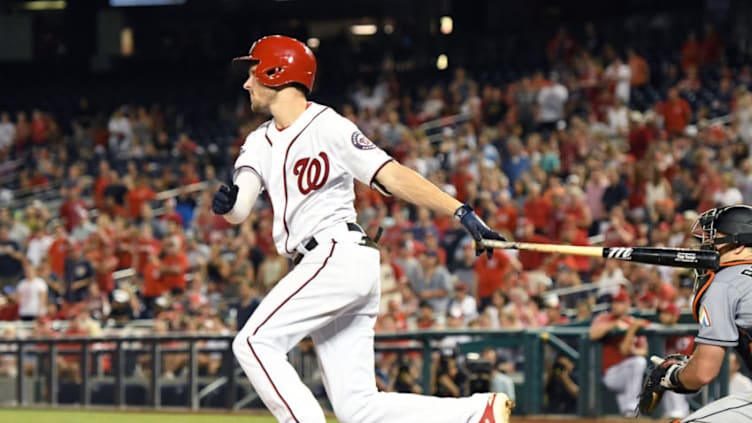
606, 147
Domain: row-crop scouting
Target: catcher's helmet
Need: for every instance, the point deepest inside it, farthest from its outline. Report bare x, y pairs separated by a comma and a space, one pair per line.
282, 61
733, 222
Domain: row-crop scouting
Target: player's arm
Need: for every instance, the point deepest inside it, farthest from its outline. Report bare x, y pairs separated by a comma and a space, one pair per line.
408, 185
703, 366
236, 202
601, 327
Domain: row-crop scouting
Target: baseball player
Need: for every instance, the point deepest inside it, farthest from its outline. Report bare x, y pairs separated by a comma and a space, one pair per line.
722, 306
623, 355
306, 157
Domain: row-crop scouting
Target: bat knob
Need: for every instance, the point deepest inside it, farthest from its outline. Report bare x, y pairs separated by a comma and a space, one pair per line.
656, 360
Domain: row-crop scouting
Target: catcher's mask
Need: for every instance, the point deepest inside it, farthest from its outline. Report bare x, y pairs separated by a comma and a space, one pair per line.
728, 225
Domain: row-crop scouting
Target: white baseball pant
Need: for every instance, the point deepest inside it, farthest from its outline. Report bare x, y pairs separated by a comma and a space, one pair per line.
333, 295
625, 379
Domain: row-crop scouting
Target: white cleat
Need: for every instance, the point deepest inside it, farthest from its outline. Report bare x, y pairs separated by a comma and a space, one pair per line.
498, 409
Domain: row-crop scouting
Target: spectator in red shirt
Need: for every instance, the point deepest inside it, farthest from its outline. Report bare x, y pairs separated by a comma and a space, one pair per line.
537, 208
73, 208
531, 260
152, 286
676, 113
174, 266
101, 182
690, 52
639, 136
139, 195
506, 213
105, 263
58, 251
491, 274
711, 46
640, 70
39, 128
619, 232
145, 244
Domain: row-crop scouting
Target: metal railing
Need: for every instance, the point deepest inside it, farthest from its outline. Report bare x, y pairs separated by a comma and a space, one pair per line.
38, 362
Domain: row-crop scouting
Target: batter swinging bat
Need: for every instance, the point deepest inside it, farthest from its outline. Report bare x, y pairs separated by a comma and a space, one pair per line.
676, 257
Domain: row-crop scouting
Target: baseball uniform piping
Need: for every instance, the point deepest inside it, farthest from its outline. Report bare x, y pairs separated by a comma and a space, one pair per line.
373, 178
248, 341
284, 178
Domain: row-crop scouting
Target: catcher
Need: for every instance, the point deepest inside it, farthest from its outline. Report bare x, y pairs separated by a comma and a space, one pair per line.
722, 306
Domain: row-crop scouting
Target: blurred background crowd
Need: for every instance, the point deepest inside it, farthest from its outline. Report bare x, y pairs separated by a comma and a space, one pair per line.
595, 140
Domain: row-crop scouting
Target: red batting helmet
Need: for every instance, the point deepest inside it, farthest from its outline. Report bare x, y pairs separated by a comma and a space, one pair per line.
282, 60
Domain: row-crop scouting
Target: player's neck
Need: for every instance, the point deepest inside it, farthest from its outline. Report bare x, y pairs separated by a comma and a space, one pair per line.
288, 107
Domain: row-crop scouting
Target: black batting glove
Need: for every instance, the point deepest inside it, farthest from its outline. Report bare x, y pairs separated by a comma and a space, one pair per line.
224, 199
477, 228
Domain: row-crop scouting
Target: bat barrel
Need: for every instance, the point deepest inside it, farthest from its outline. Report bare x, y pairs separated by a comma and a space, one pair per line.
675, 257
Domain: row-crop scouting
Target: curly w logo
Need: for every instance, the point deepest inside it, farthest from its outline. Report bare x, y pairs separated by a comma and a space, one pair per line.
312, 172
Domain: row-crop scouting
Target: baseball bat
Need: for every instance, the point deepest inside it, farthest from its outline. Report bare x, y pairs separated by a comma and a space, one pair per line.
675, 257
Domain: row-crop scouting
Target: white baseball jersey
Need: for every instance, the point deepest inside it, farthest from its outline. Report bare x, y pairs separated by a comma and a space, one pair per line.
308, 171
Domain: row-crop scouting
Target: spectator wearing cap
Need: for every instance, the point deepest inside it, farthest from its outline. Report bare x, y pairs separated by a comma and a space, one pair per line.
623, 361
462, 303
674, 405
552, 310
11, 258
455, 320
434, 282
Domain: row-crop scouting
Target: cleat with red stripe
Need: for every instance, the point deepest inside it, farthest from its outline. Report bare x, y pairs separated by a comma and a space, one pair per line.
498, 409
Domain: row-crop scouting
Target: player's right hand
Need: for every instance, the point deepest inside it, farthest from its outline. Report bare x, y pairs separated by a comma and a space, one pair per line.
477, 228
224, 199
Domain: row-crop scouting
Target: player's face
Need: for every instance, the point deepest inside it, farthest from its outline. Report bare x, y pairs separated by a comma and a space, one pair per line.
260, 96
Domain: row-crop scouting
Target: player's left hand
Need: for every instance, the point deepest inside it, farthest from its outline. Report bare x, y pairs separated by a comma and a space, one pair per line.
477, 228
663, 377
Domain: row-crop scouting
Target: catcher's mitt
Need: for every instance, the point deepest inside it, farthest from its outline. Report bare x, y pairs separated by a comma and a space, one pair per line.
660, 380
